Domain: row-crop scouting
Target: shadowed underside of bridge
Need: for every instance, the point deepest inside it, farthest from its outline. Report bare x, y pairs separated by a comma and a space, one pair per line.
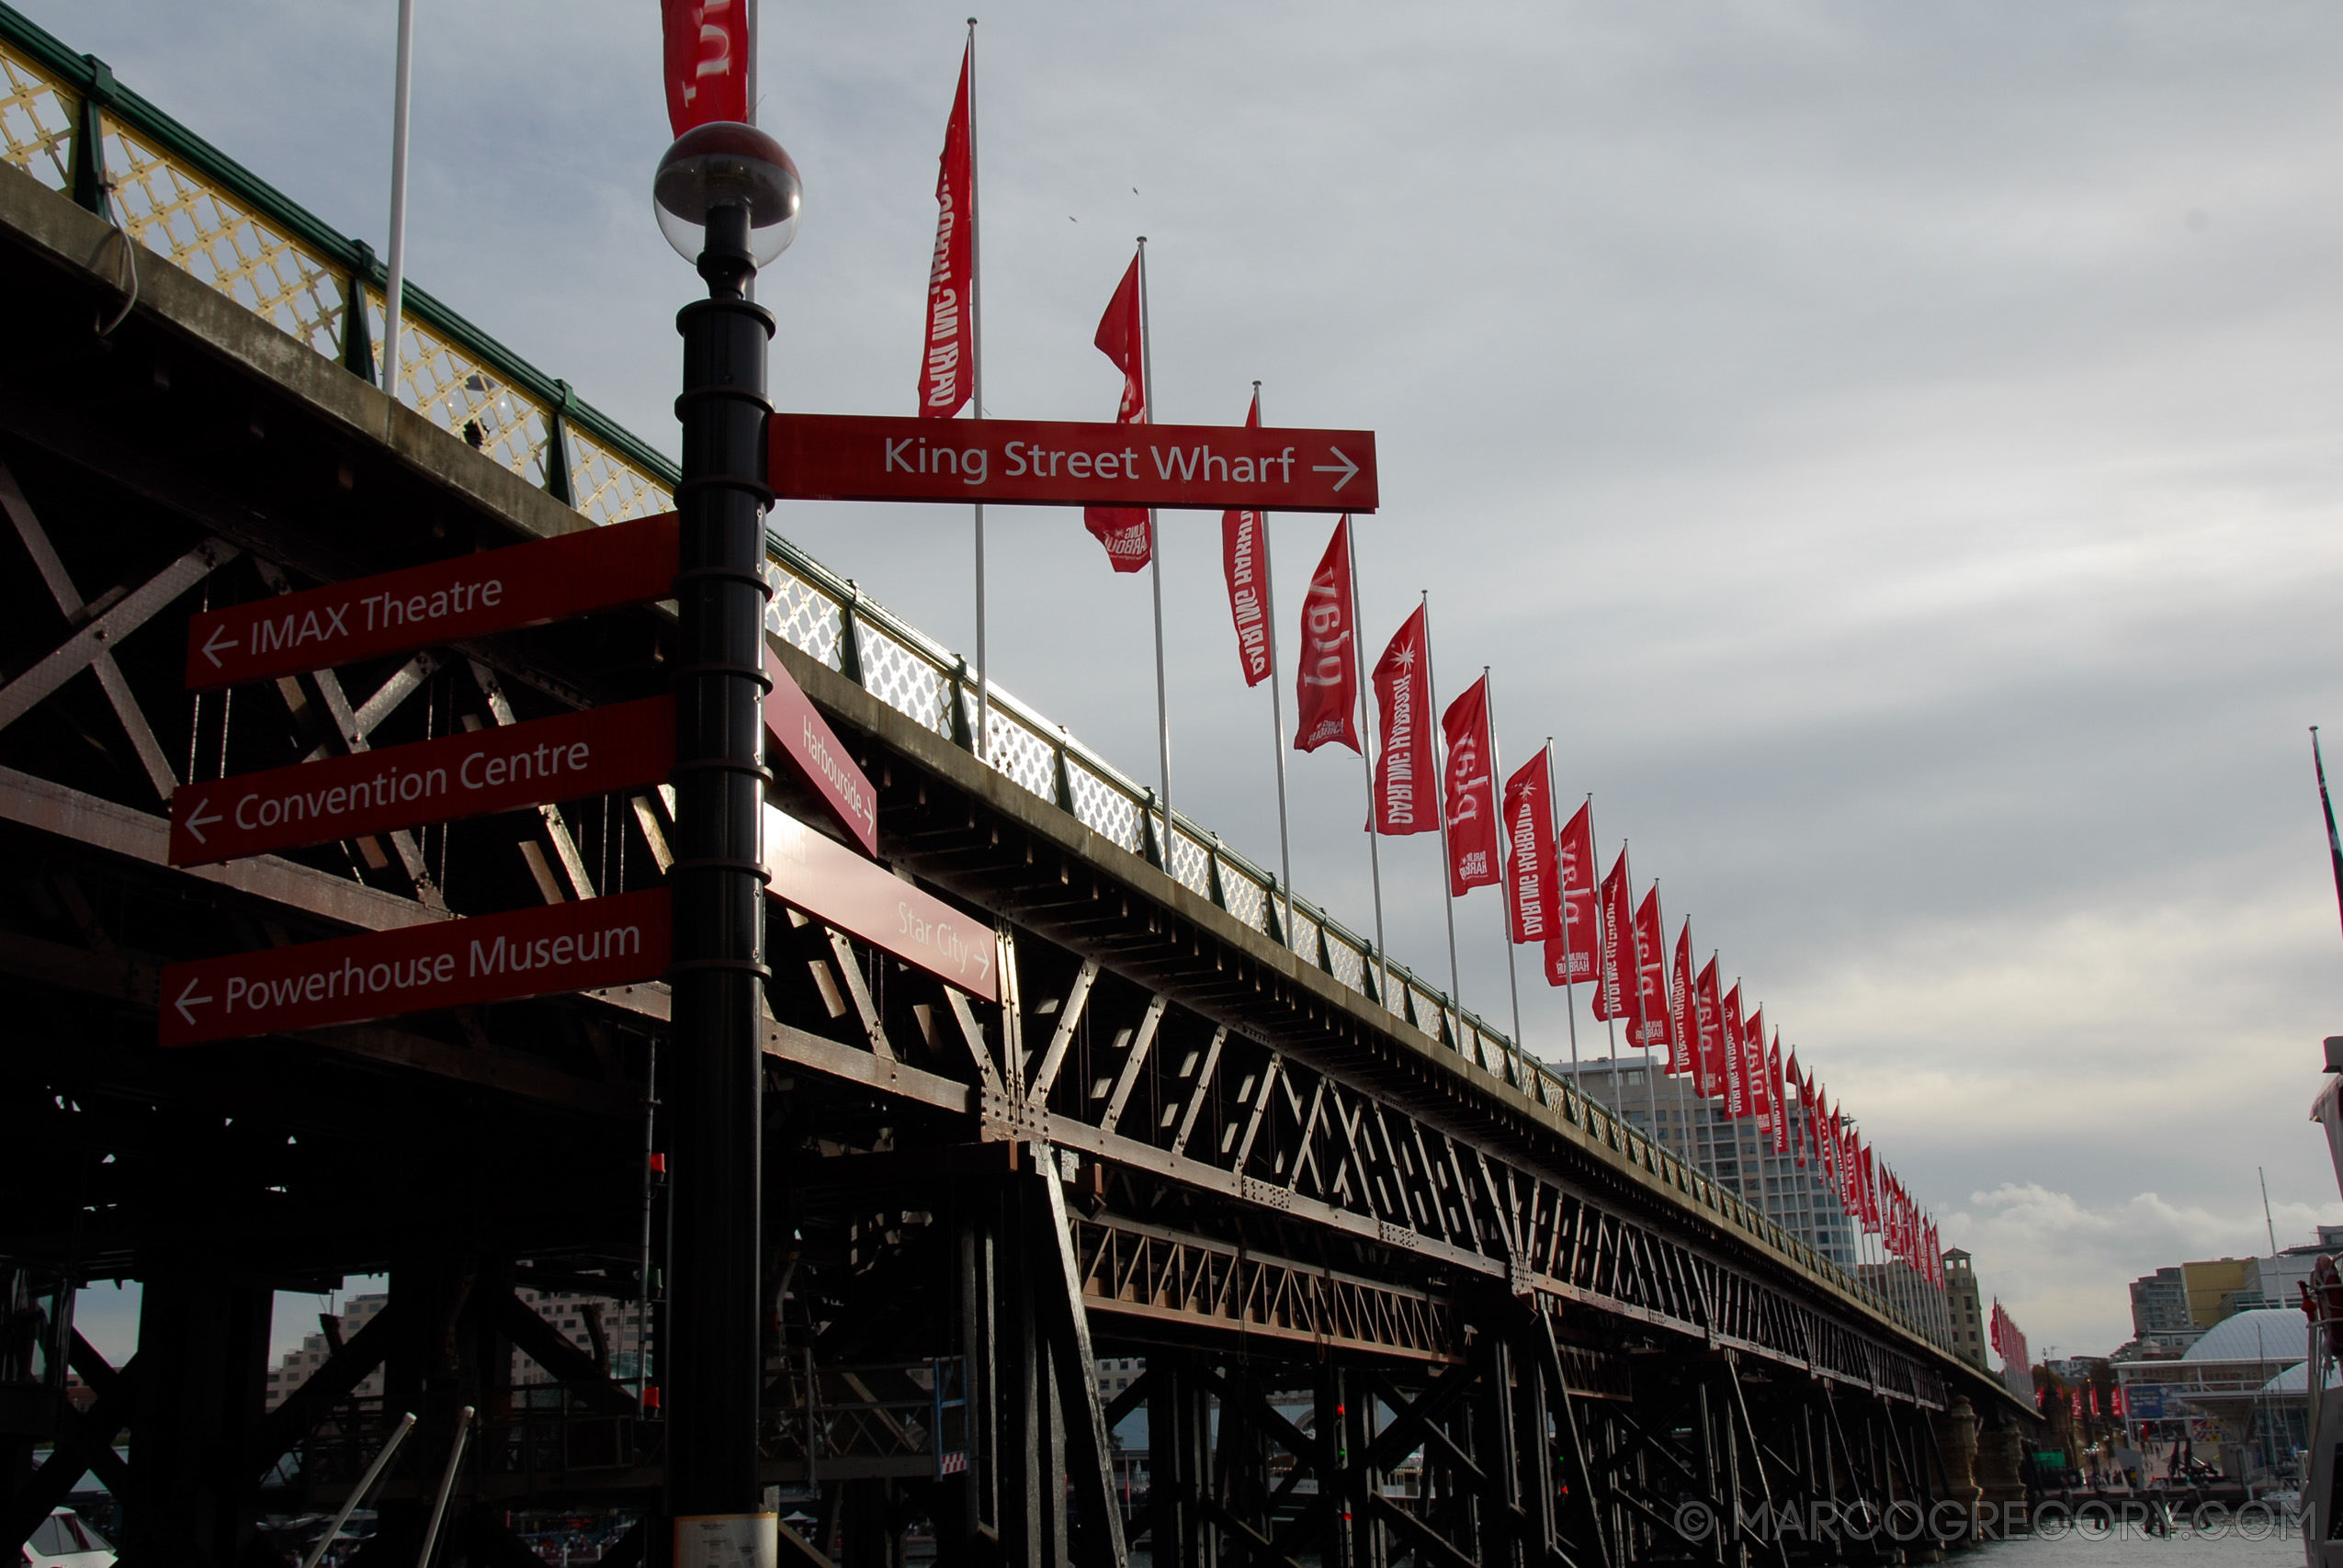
1386, 1299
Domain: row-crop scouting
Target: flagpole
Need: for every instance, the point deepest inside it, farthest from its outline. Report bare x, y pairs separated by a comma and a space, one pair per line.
1367, 762
1504, 917
2334, 844
1740, 1166
1277, 714
394, 285
1569, 988
975, 410
1447, 892
1155, 566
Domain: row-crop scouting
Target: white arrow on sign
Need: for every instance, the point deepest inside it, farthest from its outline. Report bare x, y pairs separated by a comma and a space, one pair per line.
213, 645
1342, 465
187, 998
196, 820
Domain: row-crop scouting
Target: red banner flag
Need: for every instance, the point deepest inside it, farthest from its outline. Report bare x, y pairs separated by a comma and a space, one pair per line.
1326, 677
1867, 1187
1709, 1010
1614, 996
1535, 910
1244, 560
1828, 1127
947, 374
708, 61
1737, 1058
1781, 1102
1651, 1026
1124, 530
1570, 955
1798, 1121
1468, 790
1684, 1012
1753, 1069
1402, 805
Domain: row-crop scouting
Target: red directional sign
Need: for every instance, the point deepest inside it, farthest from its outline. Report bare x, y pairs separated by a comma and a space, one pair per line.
625, 746
807, 739
1215, 467
493, 591
835, 886
617, 941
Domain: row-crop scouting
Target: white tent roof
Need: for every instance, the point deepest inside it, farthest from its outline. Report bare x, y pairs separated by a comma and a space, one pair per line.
2265, 1334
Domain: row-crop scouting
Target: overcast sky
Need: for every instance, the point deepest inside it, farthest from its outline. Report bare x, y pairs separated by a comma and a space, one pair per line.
1891, 449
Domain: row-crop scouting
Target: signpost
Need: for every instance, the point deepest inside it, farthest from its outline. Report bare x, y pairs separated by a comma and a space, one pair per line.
617, 941
627, 746
1213, 467
809, 872
397, 612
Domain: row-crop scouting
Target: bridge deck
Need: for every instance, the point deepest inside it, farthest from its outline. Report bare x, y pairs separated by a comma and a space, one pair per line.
1256, 1150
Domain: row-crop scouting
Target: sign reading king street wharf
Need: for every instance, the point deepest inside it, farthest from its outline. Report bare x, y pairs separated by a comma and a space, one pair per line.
617, 941
1213, 467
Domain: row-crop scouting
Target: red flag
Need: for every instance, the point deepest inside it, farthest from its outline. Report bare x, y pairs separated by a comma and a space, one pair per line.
708, 61
1615, 996
1737, 1058
1867, 1187
1467, 792
1534, 908
948, 372
1753, 1070
1570, 957
1121, 337
1244, 556
1781, 1101
1715, 1051
1684, 1013
1830, 1154
1326, 679
1651, 1025
1798, 1120
1401, 806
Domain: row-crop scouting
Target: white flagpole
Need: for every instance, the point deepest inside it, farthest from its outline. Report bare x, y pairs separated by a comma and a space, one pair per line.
1504, 903
1277, 715
1439, 755
1155, 567
395, 287
1634, 929
976, 406
1366, 761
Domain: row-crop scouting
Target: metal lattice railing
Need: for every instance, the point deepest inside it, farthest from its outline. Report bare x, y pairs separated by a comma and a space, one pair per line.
66, 121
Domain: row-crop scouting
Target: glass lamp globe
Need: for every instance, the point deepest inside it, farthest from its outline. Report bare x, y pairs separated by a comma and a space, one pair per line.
727, 163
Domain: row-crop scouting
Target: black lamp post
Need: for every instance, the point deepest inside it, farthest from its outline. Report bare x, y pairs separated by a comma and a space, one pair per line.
727, 198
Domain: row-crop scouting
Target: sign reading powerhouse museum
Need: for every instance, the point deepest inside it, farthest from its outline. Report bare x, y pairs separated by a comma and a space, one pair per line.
617, 941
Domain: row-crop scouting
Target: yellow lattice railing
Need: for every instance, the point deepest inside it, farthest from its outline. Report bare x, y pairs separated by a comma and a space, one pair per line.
175, 208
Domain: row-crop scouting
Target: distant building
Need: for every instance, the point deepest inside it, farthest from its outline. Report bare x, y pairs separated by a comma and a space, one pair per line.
1965, 1308
2176, 1304
1794, 1195
567, 1310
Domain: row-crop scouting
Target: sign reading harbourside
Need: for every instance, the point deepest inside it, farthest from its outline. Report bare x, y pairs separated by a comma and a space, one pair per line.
617, 941
834, 884
814, 748
1213, 468
398, 612
627, 746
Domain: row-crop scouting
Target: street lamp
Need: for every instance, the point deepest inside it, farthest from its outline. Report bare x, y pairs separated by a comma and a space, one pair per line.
727, 200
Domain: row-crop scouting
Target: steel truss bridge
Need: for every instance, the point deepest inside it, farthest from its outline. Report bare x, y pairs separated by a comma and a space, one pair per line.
1391, 1291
